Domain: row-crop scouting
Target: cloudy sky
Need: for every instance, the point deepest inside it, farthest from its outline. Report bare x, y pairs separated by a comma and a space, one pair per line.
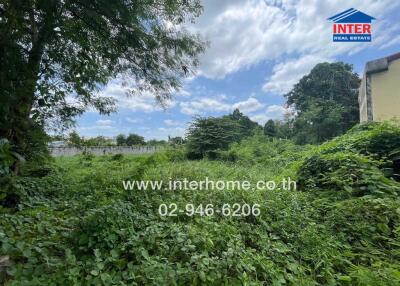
258, 50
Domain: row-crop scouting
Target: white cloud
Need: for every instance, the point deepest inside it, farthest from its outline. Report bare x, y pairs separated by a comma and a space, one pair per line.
105, 122
170, 122
96, 129
171, 131
198, 106
286, 74
249, 105
133, 120
244, 33
218, 103
272, 112
183, 93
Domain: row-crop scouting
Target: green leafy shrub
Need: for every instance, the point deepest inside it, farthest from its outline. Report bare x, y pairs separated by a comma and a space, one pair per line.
207, 136
345, 174
117, 157
381, 141
364, 223
78, 226
104, 228
261, 149
176, 153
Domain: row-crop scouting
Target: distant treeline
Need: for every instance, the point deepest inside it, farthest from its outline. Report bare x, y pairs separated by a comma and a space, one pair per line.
73, 139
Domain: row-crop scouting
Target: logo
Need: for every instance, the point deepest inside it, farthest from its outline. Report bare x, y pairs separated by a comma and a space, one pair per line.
352, 26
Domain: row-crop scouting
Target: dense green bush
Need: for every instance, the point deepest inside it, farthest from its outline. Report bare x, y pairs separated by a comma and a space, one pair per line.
365, 222
261, 149
207, 136
361, 162
78, 226
104, 228
380, 141
345, 174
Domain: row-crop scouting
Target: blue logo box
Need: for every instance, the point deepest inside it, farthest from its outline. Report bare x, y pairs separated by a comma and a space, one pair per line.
352, 38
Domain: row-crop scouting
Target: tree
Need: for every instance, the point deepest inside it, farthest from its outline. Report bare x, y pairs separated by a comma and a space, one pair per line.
155, 142
121, 139
326, 101
51, 49
75, 140
247, 125
176, 140
270, 129
134, 139
98, 141
207, 135
284, 128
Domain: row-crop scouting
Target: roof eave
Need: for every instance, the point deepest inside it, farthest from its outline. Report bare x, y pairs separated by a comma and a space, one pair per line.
381, 64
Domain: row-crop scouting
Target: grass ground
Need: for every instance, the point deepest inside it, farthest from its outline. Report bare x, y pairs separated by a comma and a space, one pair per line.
77, 225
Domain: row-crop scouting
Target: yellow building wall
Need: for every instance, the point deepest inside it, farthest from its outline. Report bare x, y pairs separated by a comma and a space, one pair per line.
385, 91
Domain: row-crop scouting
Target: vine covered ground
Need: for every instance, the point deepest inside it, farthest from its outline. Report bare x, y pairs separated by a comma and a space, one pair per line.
75, 224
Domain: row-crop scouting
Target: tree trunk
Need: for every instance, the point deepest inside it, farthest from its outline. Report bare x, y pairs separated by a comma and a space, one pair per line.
19, 75
24, 95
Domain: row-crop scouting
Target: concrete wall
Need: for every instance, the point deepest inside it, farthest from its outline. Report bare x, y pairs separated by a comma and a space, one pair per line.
362, 100
385, 91
71, 151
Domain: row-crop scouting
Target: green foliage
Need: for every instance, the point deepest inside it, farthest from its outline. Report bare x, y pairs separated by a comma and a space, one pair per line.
134, 139
75, 140
378, 139
270, 128
98, 141
355, 164
247, 125
78, 226
176, 140
121, 139
258, 149
326, 101
206, 136
155, 142
8, 157
117, 156
52, 49
345, 175
105, 228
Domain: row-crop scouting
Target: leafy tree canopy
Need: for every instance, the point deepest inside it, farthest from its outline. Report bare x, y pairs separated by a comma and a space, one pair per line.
326, 102
75, 140
176, 140
52, 49
134, 139
207, 135
270, 128
121, 139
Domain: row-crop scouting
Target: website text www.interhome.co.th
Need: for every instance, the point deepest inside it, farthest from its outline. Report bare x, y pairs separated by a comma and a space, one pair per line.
207, 184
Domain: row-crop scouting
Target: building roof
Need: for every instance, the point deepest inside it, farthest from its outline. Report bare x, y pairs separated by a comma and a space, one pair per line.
352, 16
381, 64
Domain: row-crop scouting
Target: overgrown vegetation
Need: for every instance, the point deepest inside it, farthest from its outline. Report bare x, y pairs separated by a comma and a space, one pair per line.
207, 136
77, 226
50, 50
321, 106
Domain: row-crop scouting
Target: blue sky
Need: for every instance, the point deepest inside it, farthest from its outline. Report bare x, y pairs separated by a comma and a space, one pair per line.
258, 50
